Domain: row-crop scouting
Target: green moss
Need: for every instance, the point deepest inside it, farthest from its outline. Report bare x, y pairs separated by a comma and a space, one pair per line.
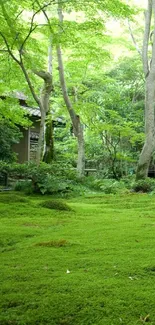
105, 276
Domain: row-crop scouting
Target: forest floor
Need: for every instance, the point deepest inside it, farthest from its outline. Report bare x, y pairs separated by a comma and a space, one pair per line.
93, 265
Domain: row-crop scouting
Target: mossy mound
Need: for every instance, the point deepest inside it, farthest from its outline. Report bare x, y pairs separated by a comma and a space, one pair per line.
56, 205
53, 243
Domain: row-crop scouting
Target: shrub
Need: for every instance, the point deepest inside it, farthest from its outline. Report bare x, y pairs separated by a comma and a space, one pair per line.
56, 205
108, 186
25, 186
145, 185
9, 135
128, 181
45, 178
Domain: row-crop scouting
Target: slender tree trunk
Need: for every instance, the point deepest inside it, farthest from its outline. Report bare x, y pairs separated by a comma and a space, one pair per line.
81, 151
149, 72
49, 142
81, 143
77, 126
49, 138
41, 139
44, 108
149, 145
49, 150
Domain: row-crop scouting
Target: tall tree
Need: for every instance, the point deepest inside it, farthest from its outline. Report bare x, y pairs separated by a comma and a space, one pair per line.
88, 25
21, 49
77, 125
15, 45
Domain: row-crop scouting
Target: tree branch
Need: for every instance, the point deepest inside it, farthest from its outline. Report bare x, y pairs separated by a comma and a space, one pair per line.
26, 38
18, 15
21, 64
133, 39
152, 67
148, 16
4, 50
47, 89
30, 84
46, 16
8, 49
52, 32
69, 106
47, 77
32, 27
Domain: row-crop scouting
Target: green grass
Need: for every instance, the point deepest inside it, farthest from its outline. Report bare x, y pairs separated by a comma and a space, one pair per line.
106, 242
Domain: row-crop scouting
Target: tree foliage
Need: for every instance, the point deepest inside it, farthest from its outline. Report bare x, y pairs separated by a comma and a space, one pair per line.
104, 94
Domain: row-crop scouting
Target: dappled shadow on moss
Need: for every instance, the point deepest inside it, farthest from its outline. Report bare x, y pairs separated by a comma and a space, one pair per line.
31, 224
12, 304
68, 320
55, 205
150, 269
8, 322
8, 244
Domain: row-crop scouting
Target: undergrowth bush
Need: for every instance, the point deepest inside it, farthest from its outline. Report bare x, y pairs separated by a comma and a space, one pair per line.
145, 185
108, 186
61, 179
24, 185
45, 178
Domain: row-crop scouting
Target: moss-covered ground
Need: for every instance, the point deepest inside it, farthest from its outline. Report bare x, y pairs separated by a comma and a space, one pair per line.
92, 265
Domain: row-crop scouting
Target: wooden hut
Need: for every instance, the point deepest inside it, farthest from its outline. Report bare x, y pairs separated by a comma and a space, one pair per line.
27, 147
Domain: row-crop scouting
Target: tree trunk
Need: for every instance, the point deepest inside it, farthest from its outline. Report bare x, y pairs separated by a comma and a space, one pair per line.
49, 149
44, 109
41, 139
149, 72
149, 145
81, 152
77, 126
49, 138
